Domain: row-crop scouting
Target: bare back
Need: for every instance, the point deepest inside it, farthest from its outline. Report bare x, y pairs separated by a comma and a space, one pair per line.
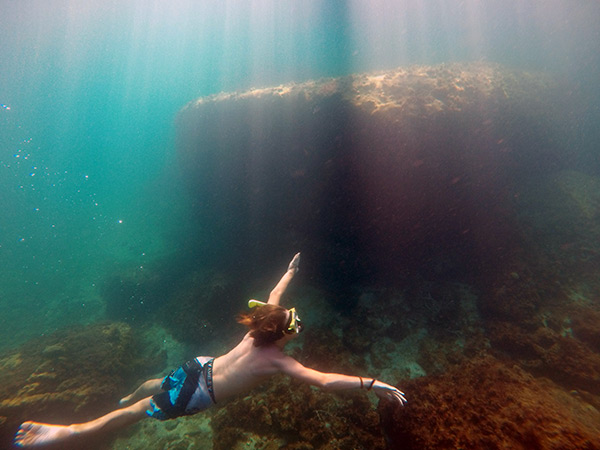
247, 366
244, 368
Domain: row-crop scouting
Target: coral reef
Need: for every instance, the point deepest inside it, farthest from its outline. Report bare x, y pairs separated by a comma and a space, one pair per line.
487, 404
585, 323
192, 432
543, 311
71, 376
545, 352
291, 415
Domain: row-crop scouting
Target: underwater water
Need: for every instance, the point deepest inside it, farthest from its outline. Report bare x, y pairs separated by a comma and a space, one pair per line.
126, 213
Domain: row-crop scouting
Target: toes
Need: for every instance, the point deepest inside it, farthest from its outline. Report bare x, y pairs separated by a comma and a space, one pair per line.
26, 426
23, 434
23, 429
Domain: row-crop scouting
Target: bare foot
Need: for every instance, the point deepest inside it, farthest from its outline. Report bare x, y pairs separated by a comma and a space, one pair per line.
294, 263
33, 434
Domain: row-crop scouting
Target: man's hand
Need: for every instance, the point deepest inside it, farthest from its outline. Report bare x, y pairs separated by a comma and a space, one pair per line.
278, 290
388, 392
294, 263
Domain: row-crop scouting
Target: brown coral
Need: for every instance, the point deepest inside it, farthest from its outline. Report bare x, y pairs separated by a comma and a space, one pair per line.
299, 417
70, 376
487, 404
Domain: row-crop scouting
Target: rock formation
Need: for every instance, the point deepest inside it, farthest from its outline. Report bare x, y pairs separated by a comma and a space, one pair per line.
382, 174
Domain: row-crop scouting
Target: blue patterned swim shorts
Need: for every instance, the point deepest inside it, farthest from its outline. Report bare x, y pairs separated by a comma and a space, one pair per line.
187, 390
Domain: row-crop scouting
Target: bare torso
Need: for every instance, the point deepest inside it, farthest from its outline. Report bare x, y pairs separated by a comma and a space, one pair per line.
243, 368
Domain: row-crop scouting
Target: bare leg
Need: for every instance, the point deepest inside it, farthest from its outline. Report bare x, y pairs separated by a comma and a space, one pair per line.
278, 290
146, 389
32, 434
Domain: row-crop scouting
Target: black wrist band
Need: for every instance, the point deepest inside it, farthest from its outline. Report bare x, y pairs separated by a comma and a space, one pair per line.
371, 385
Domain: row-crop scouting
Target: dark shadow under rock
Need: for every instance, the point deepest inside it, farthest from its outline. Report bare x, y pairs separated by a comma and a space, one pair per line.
405, 171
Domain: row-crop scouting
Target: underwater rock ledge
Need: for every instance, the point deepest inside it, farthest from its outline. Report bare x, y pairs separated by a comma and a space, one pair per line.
383, 173
72, 375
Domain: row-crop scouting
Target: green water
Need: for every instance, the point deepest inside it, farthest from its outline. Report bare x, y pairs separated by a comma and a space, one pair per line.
97, 223
90, 91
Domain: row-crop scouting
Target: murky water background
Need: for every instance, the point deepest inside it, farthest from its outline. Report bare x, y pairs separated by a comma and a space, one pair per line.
89, 92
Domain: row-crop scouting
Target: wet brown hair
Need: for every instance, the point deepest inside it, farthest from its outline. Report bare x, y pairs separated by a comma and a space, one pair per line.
266, 323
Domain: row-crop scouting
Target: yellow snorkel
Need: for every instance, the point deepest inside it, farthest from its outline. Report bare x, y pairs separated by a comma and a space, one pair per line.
255, 303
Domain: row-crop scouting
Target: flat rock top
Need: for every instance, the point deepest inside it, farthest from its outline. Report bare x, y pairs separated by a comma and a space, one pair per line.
424, 89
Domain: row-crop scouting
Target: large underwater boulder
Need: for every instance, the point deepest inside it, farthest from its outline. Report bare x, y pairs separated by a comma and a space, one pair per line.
383, 174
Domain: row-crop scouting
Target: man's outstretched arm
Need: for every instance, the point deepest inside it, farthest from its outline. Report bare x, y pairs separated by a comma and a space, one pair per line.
336, 381
278, 290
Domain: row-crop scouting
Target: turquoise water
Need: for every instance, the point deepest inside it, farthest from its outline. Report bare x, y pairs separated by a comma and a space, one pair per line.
89, 94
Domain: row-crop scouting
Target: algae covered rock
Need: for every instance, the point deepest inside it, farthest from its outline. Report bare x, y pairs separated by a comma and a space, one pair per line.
291, 415
71, 376
488, 404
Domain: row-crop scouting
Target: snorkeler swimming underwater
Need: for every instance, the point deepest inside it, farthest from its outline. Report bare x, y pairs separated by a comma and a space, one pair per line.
205, 381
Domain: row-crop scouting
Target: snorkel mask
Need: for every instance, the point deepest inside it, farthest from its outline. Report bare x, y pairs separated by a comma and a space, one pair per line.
294, 324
